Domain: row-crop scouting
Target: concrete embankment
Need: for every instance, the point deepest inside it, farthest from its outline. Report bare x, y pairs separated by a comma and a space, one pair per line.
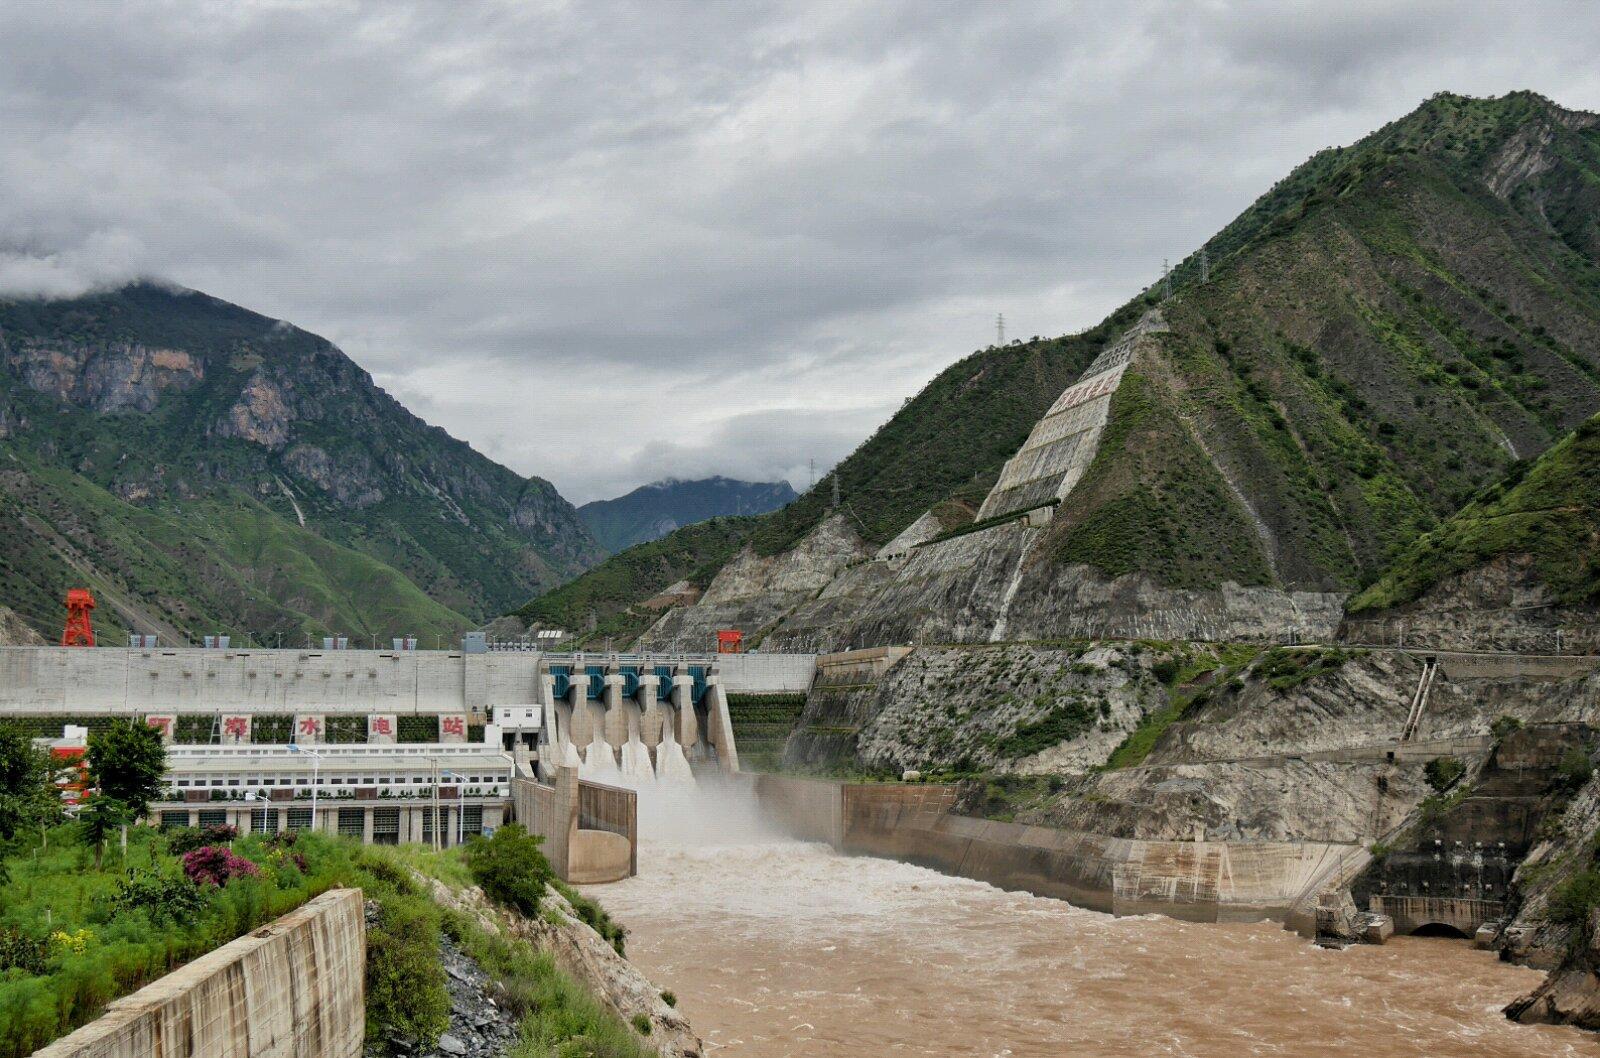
292, 989
1200, 881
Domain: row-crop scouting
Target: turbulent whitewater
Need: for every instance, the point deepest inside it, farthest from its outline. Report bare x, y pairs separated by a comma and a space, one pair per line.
777, 948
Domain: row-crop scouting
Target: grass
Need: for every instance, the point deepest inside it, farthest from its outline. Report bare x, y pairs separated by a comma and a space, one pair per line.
1285, 668
558, 1018
1549, 511
1222, 662
55, 890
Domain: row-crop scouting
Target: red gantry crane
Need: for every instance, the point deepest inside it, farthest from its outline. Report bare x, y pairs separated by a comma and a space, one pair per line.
80, 628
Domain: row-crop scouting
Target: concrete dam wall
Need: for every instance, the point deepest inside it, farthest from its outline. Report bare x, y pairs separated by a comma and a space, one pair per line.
1199, 881
292, 989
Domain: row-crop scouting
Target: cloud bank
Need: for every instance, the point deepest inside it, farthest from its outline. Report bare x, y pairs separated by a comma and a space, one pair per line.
607, 242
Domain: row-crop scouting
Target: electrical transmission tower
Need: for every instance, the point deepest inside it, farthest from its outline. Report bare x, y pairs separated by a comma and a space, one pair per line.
1166, 280
836, 490
1205, 265
1000, 329
813, 473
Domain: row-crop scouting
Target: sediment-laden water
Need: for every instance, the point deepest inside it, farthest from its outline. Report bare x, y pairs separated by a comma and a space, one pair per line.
779, 948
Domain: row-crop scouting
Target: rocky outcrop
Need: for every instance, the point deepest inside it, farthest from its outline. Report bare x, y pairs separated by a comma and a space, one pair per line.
14, 632
753, 592
1502, 604
114, 377
162, 396
583, 954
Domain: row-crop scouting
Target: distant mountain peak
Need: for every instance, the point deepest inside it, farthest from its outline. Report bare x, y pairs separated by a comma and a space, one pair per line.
654, 510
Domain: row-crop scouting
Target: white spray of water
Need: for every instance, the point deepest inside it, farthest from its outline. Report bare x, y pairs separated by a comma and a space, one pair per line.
599, 763
637, 771
671, 765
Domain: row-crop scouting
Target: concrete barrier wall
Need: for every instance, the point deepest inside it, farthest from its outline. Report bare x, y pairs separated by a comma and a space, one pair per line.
1196, 881
590, 830
133, 682
292, 989
766, 673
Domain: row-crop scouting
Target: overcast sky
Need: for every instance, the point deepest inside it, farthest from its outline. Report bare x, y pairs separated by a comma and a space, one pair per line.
611, 242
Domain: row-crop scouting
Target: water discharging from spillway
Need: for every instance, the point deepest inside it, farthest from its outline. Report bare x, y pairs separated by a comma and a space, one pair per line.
781, 949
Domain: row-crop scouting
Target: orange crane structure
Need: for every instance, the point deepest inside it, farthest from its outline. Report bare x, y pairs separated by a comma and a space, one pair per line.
80, 628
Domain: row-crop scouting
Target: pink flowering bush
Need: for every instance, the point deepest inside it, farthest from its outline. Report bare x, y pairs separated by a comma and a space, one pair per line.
215, 865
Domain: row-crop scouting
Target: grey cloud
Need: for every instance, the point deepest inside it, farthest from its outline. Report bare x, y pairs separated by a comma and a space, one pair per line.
765, 223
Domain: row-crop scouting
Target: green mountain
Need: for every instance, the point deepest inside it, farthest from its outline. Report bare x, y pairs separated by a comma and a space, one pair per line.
652, 511
1378, 337
1544, 515
213, 469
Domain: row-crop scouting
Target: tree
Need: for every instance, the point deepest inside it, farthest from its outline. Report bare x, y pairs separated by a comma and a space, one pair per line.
510, 868
100, 816
127, 762
27, 795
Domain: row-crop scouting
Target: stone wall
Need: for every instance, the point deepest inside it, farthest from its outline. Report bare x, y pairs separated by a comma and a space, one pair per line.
292, 989
1198, 881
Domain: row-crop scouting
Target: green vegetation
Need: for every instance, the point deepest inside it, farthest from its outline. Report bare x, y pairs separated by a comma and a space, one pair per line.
1195, 673
1285, 668
1574, 905
94, 935
595, 917
147, 485
1574, 771
406, 994
559, 1019
510, 868
1503, 726
612, 595
1549, 511
1152, 502
1443, 772
1063, 721
761, 726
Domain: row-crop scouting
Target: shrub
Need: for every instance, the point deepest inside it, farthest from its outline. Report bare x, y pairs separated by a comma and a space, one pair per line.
190, 838
641, 1024
406, 994
212, 865
1444, 772
21, 952
1165, 670
1503, 726
1574, 770
1575, 900
164, 897
510, 868
669, 998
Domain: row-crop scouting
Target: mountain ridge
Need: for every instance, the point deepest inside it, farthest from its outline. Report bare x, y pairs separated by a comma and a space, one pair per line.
653, 510
164, 399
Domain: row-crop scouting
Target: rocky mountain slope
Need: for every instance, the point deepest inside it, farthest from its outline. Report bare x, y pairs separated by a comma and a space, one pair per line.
1379, 337
652, 511
1514, 569
207, 467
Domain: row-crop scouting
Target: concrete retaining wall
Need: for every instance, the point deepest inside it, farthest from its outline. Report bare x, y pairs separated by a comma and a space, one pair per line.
292, 989
590, 830
1196, 881
766, 673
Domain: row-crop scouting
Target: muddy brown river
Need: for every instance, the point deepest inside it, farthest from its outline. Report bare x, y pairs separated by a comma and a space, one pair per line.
782, 948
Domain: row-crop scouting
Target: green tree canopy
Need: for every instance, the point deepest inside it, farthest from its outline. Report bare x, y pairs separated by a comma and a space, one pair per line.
27, 796
127, 762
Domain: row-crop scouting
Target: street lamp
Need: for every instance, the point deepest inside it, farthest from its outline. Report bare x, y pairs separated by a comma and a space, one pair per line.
461, 802
316, 766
